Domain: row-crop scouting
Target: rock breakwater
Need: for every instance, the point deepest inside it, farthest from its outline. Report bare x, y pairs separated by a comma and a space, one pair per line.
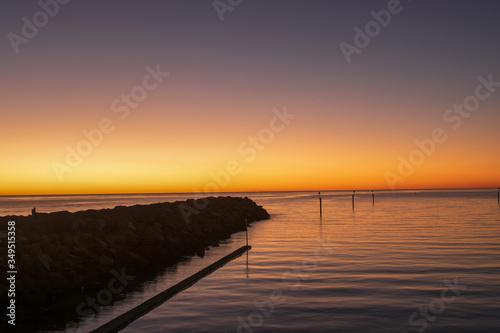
62, 252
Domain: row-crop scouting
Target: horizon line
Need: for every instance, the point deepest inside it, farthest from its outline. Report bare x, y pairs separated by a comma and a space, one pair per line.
268, 191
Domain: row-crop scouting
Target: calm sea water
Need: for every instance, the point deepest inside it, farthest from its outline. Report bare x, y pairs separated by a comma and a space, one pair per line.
425, 261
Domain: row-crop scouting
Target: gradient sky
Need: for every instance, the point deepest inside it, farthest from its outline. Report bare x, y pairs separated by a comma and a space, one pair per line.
352, 121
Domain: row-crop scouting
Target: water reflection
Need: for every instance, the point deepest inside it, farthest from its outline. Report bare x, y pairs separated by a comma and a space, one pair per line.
389, 259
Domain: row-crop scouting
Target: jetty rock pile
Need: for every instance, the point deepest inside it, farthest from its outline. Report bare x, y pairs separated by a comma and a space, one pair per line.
63, 252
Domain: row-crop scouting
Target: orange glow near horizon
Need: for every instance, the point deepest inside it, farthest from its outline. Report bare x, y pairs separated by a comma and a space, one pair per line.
139, 156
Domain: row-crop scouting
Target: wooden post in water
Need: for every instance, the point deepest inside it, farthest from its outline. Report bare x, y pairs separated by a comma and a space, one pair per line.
246, 230
248, 275
498, 195
320, 205
373, 198
353, 200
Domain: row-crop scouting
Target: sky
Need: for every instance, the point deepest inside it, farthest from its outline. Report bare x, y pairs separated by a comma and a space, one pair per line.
248, 95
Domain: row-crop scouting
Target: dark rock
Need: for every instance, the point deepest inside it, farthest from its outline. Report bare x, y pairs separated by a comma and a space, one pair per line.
64, 252
106, 261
